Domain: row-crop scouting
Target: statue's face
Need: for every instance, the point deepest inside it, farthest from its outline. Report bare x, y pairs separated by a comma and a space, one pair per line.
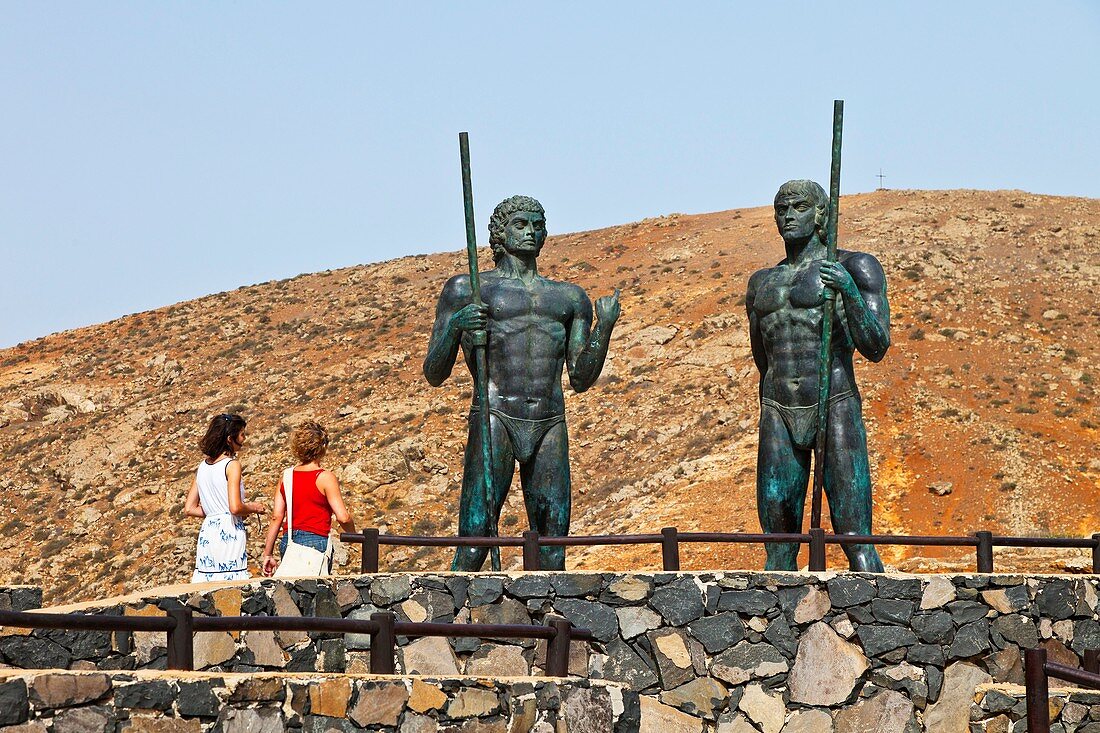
524, 233
794, 215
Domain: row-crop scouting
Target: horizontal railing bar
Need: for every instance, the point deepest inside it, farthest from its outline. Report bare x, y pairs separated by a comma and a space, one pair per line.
85, 622
885, 539
1072, 674
601, 539
742, 537
324, 624
1081, 542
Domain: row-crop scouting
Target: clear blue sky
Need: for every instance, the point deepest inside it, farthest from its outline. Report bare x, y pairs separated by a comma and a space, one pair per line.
154, 152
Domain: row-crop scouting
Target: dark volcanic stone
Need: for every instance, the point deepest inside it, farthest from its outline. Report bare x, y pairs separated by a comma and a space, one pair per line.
458, 587
922, 655
889, 611
970, 640
719, 632
678, 602
148, 695
751, 602
934, 676
934, 628
964, 612
325, 724
1018, 629
577, 585
596, 617
258, 604
81, 644
32, 652
1056, 600
14, 707
879, 639
627, 666
197, 698
1086, 635
484, 590
780, 635
530, 586
303, 660
899, 588
845, 591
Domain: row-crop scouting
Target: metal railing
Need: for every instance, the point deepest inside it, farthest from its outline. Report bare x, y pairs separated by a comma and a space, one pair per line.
1037, 671
670, 540
181, 624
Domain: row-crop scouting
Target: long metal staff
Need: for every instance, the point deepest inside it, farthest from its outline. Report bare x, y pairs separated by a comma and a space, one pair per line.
825, 359
481, 363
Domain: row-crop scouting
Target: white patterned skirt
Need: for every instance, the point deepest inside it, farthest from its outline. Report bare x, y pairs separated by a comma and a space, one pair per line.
221, 554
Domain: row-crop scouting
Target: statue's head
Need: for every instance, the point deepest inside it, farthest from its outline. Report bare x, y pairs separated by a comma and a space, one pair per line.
795, 201
517, 224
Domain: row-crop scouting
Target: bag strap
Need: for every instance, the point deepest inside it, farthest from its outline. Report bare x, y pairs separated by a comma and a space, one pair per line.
288, 490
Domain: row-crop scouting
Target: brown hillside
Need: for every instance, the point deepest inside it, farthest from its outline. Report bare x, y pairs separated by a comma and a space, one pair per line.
990, 386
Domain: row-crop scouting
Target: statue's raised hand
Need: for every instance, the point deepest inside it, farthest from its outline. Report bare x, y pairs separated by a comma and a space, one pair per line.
473, 317
608, 309
837, 278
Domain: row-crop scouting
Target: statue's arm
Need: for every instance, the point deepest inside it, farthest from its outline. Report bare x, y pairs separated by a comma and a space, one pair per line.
866, 309
756, 341
588, 345
446, 335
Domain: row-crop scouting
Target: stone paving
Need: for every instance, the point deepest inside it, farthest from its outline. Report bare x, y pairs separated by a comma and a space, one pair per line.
732, 652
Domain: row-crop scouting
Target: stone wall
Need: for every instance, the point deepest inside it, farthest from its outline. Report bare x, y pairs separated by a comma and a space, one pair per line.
1003, 709
161, 702
20, 597
733, 652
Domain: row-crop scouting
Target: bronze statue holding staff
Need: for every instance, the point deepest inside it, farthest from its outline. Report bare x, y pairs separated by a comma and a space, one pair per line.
789, 307
536, 328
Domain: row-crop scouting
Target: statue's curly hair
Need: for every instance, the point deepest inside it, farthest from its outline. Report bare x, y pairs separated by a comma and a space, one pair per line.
500, 216
816, 194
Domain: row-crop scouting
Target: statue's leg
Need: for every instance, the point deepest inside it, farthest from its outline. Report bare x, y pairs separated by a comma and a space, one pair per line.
546, 493
782, 473
473, 513
848, 482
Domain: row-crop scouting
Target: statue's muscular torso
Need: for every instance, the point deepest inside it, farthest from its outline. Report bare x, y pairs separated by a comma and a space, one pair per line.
529, 327
785, 305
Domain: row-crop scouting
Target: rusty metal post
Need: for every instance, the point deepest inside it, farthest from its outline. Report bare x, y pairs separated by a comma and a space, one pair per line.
1092, 661
383, 644
985, 551
817, 549
557, 647
670, 549
1096, 554
1038, 696
181, 639
369, 561
531, 550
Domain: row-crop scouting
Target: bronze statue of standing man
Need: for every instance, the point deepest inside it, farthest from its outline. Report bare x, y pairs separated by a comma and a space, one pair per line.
536, 327
785, 306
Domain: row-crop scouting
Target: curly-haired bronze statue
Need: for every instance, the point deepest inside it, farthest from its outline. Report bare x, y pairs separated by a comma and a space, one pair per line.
536, 327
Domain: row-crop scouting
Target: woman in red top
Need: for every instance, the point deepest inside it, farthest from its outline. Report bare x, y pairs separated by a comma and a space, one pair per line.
316, 497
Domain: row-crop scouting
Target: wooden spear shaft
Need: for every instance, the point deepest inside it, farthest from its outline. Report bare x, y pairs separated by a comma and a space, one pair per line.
481, 362
825, 359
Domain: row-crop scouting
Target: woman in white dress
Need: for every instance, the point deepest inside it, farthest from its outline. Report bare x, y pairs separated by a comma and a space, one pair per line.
217, 496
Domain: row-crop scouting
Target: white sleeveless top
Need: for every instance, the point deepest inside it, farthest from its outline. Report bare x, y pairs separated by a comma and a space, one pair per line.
214, 487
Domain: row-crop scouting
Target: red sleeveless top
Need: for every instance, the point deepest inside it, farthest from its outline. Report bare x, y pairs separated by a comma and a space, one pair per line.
311, 510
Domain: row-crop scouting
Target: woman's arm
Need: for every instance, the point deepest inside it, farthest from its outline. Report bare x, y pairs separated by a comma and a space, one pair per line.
237, 506
273, 526
191, 506
330, 486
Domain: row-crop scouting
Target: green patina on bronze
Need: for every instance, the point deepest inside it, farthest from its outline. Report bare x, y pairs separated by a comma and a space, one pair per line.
803, 350
535, 327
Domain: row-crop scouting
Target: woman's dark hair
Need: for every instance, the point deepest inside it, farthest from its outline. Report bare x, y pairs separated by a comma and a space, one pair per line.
222, 428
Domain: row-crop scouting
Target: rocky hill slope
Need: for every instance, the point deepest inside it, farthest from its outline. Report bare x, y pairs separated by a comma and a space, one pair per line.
983, 415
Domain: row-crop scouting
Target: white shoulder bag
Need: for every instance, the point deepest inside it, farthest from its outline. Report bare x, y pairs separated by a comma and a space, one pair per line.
299, 561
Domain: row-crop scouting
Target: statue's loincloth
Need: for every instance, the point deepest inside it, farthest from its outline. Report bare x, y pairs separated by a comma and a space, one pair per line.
801, 420
524, 435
